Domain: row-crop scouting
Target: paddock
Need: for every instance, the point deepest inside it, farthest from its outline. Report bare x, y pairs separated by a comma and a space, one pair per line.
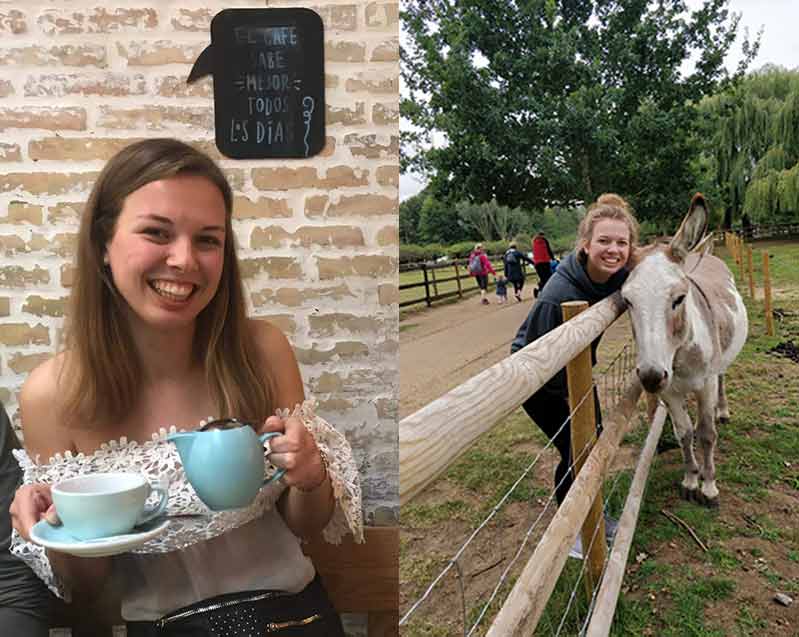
453, 414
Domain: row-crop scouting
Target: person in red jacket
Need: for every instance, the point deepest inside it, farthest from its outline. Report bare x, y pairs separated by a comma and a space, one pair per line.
479, 267
542, 260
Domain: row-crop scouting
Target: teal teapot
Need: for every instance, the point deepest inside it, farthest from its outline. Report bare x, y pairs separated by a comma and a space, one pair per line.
225, 462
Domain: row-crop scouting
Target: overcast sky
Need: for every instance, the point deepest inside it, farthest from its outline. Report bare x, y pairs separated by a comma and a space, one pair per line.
779, 45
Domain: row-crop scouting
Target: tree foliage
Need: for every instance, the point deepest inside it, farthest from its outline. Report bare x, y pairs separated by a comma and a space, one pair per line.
552, 102
755, 144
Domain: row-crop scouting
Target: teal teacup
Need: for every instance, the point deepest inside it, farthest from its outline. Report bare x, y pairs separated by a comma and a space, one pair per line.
103, 504
226, 467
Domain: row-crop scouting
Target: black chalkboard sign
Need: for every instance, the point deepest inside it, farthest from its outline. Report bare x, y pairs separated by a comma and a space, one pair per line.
269, 82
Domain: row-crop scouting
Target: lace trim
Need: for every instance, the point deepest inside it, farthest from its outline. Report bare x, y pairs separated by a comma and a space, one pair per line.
159, 461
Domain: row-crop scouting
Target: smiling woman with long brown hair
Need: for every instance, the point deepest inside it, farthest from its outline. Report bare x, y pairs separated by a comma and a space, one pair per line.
158, 336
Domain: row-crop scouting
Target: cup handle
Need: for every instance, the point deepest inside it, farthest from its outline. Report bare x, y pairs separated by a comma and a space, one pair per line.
280, 472
152, 512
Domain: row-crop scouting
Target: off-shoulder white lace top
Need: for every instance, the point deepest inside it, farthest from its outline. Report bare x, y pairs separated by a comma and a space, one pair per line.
221, 552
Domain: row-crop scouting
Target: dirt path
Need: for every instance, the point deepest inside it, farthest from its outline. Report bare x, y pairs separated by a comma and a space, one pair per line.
444, 346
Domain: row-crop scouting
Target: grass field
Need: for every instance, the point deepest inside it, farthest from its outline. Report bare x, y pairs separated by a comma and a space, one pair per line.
672, 588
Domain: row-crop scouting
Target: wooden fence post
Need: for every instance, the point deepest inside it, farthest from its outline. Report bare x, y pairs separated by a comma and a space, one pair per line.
583, 436
426, 285
458, 280
767, 295
435, 284
740, 253
749, 267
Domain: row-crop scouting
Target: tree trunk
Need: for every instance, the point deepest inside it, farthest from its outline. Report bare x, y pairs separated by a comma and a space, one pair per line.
727, 223
588, 192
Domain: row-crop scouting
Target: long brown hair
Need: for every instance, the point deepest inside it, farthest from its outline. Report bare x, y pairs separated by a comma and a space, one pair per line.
102, 368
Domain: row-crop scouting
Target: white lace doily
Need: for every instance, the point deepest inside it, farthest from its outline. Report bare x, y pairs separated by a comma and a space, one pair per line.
159, 461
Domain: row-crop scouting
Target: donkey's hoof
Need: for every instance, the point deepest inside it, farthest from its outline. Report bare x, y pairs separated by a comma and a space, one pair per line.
705, 501
724, 420
688, 494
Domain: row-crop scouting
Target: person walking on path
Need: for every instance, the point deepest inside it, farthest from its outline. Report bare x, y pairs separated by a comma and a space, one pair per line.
606, 238
513, 262
542, 260
479, 268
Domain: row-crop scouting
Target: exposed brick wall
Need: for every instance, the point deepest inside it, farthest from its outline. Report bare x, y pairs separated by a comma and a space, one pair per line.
317, 238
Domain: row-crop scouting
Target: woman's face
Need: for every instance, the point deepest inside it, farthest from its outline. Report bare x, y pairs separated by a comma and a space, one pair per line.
167, 251
608, 249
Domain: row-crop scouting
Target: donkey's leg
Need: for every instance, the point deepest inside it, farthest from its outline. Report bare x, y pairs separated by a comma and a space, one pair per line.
706, 432
684, 433
722, 409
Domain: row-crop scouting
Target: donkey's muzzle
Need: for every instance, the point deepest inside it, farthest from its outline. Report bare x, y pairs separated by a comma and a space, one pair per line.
653, 379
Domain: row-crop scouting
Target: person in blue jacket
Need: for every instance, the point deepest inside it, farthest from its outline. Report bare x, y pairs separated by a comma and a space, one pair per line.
595, 269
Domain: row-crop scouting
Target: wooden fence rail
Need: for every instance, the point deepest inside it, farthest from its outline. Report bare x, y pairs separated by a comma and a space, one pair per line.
431, 438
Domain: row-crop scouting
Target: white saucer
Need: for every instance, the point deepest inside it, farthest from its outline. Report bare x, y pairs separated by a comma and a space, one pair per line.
57, 538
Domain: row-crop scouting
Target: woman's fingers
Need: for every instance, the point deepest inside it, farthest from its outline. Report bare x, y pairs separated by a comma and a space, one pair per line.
29, 506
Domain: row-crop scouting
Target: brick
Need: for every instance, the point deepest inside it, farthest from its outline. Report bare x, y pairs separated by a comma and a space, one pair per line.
61, 244
284, 322
193, 20
327, 383
13, 21
261, 208
160, 52
344, 177
6, 88
23, 212
284, 178
68, 212
10, 152
371, 147
5, 306
274, 267
359, 205
26, 363
45, 307
382, 15
24, 334
385, 114
77, 148
294, 297
388, 176
331, 81
373, 82
361, 265
346, 115
43, 117
61, 21
334, 405
329, 147
12, 244
67, 275
388, 236
324, 325
339, 51
66, 55
315, 205
387, 294
343, 350
387, 409
339, 17
106, 84
269, 237
329, 236
173, 86
48, 183
387, 51
156, 117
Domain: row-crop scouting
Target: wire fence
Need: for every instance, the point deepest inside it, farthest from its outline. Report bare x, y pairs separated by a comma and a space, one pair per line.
475, 605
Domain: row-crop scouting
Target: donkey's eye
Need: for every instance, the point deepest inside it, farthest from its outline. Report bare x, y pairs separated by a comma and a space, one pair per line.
627, 301
676, 302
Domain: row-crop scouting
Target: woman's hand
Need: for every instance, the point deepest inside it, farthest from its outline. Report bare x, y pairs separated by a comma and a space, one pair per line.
32, 503
296, 452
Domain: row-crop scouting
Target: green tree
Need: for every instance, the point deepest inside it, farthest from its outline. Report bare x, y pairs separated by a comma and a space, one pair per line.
490, 220
409, 213
552, 102
754, 145
438, 222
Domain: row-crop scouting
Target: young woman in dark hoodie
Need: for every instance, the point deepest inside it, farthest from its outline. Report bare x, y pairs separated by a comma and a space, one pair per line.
605, 239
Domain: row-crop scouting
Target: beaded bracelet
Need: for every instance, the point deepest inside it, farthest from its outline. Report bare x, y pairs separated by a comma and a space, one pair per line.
324, 477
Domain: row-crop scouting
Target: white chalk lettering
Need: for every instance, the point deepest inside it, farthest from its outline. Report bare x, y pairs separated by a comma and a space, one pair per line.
267, 105
269, 132
238, 131
267, 36
267, 82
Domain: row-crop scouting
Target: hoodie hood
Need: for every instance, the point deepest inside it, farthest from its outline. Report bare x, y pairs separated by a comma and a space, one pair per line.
576, 276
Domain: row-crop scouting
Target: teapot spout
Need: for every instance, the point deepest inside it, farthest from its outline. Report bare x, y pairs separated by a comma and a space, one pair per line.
183, 441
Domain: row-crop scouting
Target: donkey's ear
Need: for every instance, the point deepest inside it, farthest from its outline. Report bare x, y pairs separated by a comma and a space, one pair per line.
692, 229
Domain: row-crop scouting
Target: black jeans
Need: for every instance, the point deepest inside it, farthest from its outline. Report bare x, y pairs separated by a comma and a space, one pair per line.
544, 271
549, 412
309, 613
